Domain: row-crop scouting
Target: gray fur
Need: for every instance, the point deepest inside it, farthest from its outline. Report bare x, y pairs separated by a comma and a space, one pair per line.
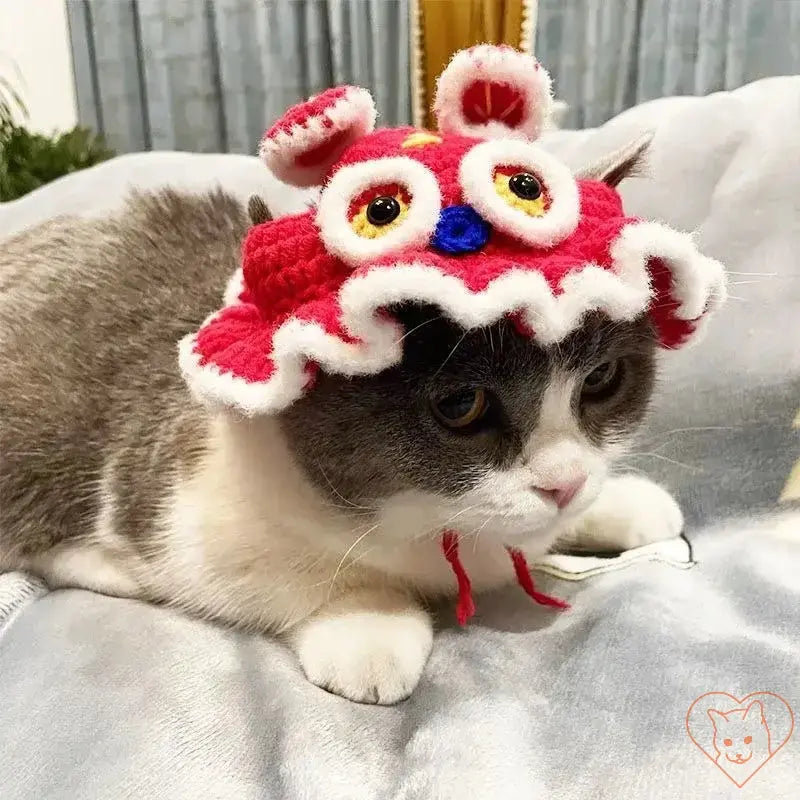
368, 438
90, 315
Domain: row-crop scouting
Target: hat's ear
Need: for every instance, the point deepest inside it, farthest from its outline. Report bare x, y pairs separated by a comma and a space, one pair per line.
493, 91
305, 142
628, 161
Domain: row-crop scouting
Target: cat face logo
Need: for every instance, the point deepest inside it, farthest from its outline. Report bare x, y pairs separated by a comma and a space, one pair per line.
740, 736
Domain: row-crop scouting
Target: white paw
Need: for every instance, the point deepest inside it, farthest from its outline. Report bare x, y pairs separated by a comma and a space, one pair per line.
366, 656
629, 512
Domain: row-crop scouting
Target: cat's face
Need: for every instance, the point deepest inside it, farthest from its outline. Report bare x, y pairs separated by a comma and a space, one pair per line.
481, 429
740, 733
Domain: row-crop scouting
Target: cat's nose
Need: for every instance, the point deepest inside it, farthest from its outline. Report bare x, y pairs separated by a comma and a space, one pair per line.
563, 492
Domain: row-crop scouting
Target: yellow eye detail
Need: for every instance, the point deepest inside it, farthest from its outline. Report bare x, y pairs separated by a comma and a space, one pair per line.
523, 191
381, 215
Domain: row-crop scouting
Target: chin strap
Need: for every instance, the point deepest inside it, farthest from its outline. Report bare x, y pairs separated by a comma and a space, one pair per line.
465, 608
525, 580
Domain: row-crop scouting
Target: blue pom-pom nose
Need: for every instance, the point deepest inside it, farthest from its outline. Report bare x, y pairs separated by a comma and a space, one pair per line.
460, 229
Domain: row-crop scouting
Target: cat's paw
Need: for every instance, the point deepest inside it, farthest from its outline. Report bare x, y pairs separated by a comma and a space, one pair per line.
366, 656
629, 512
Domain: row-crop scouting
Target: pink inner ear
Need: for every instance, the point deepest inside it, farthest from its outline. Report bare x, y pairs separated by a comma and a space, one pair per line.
485, 101
323, 151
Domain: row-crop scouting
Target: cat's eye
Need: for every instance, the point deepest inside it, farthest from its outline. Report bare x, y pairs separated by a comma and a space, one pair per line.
602, 381
727, 742
748, 739
461, 410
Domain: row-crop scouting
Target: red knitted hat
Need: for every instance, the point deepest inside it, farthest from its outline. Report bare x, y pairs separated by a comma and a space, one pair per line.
475, 219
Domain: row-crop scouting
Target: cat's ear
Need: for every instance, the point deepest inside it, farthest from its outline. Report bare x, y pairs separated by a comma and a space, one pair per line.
257, 210
628, 161
754, 712
716, 717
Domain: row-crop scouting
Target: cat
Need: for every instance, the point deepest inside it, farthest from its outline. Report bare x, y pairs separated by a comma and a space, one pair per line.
741, 740
320, 523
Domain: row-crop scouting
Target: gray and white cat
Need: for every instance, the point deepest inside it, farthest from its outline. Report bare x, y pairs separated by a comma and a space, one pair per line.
321, 523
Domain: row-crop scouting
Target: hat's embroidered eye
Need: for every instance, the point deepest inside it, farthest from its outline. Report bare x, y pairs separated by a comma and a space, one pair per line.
521, 190
379, 210
383, 210
525, 186
376, 207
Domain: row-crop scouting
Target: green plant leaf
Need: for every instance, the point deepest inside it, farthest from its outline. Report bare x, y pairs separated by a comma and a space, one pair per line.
29, 160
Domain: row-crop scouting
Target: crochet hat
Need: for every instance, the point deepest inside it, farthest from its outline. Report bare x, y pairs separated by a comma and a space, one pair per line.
475, 219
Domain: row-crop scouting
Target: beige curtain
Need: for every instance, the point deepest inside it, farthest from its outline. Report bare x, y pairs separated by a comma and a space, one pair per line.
441, 27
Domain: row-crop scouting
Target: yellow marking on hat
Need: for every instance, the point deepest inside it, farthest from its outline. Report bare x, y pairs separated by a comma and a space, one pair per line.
420, 139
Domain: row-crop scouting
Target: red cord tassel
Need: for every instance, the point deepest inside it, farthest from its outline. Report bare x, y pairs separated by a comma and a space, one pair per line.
466, 605
525, 580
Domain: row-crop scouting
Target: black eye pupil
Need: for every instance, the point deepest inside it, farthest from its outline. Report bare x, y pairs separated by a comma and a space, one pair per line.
457, 406
462, 411
603, 381
383, 210
598, 376
525, 186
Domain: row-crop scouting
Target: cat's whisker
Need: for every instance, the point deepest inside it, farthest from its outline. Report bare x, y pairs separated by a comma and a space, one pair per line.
693, 430
347, 553
433, 530
417, 327
439, 527
761, 274
353, 511
628, 468
477, 533
665, 458
451, 353
657, 447
339, 494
